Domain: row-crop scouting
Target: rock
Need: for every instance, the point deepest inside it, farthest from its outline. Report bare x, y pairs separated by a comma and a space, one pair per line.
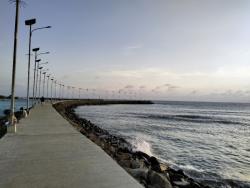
139, 173
156, 179
92, 136
155, 165
123, 156
135, 164
112, 149
124, 163
181, 183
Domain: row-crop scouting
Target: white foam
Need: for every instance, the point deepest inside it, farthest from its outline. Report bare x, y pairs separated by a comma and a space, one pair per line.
141, 144
190, 167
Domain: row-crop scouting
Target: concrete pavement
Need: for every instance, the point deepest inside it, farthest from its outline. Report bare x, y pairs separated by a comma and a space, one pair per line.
47, 151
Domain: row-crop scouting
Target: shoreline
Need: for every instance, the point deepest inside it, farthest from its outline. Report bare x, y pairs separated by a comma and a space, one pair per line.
146, 169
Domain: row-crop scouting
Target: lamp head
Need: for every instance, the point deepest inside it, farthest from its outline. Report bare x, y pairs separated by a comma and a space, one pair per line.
35, 49
30, 22
40, 67
38, 60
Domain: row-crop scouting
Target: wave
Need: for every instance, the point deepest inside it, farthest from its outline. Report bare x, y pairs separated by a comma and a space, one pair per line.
192, 118
190, 167
140, 144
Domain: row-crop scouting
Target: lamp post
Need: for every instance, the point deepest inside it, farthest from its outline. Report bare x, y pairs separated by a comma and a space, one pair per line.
60, 94
29, 23
12, 105
48, 87
44, 75
51, 89
55, 89
63, 91
38, 83
34, 79
73, 92
40, 75
79, 93
68, 92
36, 70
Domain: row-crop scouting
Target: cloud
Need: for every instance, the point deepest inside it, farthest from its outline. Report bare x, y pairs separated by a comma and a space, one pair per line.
129, 87
142, 87
134, 46
129, 50
194, 92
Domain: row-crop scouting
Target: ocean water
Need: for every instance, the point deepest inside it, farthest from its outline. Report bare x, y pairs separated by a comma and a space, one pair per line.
209, 141
5, 104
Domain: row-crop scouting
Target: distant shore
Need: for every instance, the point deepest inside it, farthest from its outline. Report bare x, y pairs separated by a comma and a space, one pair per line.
146, 169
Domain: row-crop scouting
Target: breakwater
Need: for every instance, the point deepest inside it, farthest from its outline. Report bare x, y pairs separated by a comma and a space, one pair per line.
146, 169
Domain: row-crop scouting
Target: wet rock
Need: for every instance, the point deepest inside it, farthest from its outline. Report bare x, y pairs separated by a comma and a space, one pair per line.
135, 164
155, 165
140, 174
182, 183
158, 180
123, 156
124, 163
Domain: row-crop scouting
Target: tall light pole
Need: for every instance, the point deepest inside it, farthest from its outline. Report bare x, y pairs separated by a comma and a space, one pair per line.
29, 23
34, 79
51, 89
38, 82
73, 88
68, 92
63, 91
48, 87
79, 93
60, 89
87, 92
40, 75
44, 75
55, 89
12, 105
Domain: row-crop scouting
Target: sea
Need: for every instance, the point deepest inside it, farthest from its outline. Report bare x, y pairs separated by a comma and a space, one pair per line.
5, 104
209, 141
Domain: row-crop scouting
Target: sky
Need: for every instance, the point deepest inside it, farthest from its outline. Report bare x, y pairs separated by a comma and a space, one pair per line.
197, 50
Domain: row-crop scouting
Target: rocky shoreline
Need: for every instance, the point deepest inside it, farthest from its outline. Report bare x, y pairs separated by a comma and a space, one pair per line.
4, 120
144, 168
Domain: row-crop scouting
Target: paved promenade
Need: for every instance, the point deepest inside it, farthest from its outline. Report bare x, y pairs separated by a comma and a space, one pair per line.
48, 152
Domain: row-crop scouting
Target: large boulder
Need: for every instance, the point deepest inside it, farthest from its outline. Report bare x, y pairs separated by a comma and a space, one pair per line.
158, 180
155, 165
140, 173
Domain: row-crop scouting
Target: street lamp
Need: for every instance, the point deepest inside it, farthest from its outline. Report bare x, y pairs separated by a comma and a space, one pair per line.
73, 88
55, 89
12, 105
62, 91
36, 69
44, 75
59, 93
51, 89
79, 93
34, 79
40, 68
48, 86
29, 23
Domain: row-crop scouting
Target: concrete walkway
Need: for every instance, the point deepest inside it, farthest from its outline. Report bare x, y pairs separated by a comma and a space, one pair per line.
48, 152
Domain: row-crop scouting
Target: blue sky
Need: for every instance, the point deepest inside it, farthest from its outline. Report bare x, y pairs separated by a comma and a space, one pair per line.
163, 49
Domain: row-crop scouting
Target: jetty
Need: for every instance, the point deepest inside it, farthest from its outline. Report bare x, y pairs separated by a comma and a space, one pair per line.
47, 151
